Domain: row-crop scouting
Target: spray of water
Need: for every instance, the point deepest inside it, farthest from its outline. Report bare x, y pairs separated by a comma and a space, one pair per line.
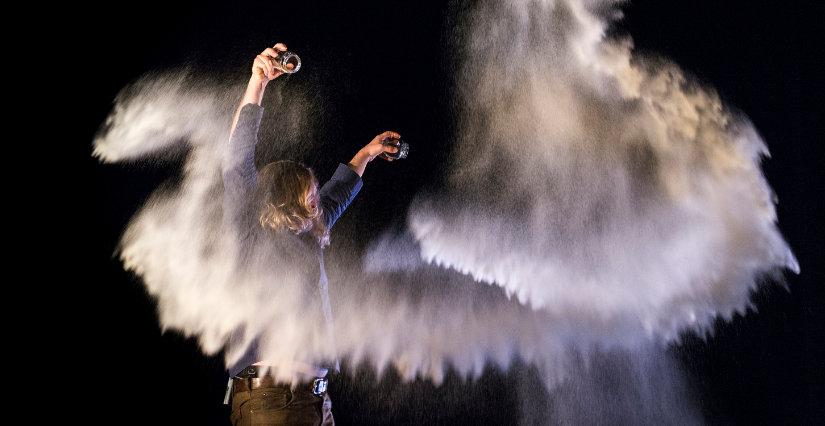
597, 184
618, 200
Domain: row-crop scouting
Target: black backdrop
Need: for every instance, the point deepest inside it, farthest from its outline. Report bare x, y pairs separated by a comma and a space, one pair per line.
763, 57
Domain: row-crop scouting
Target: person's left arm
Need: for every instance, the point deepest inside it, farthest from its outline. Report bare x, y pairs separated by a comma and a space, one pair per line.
238, 167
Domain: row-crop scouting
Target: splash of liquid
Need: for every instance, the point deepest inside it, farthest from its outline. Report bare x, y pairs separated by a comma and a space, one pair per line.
596, 184
620, 202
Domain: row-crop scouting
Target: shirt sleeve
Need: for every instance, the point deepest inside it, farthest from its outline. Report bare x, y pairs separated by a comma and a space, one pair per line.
337, 194
238, 169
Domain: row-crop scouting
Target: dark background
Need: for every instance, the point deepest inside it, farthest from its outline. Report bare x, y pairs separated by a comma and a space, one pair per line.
386, 65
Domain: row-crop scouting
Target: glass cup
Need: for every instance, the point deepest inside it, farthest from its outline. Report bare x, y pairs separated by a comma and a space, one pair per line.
285, 58
403, 149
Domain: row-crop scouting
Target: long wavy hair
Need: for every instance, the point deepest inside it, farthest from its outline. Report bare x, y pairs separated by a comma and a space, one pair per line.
289, 195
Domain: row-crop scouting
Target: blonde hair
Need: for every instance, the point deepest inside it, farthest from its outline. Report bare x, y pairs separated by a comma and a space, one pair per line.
289, 197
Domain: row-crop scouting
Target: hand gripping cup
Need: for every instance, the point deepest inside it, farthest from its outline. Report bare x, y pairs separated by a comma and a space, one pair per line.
403, 149
285, 58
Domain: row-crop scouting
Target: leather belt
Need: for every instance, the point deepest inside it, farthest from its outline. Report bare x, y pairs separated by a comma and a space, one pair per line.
317, 386
248, 380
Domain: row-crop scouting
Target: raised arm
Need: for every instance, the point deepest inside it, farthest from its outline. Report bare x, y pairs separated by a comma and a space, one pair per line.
337, 194
238, 169
373, 149
263, 71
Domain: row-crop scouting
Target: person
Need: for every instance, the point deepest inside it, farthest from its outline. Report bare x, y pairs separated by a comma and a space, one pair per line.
282, 203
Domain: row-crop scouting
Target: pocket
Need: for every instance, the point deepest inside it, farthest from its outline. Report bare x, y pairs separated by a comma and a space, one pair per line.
271, 406
270, 399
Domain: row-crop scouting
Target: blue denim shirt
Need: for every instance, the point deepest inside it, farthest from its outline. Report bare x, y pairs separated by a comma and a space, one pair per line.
239, 179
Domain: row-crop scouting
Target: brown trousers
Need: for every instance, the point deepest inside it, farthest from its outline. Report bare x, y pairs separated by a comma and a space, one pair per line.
280, 405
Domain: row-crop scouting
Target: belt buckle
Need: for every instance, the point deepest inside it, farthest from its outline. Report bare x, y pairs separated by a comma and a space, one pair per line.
319, 386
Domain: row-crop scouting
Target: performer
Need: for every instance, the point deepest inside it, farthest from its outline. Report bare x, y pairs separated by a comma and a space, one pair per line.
280, 203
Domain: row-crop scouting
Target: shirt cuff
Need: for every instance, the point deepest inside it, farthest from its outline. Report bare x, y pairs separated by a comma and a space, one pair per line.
255, 110
345, 174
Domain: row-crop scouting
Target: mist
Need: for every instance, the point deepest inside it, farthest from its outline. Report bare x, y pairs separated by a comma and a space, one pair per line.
599, 205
